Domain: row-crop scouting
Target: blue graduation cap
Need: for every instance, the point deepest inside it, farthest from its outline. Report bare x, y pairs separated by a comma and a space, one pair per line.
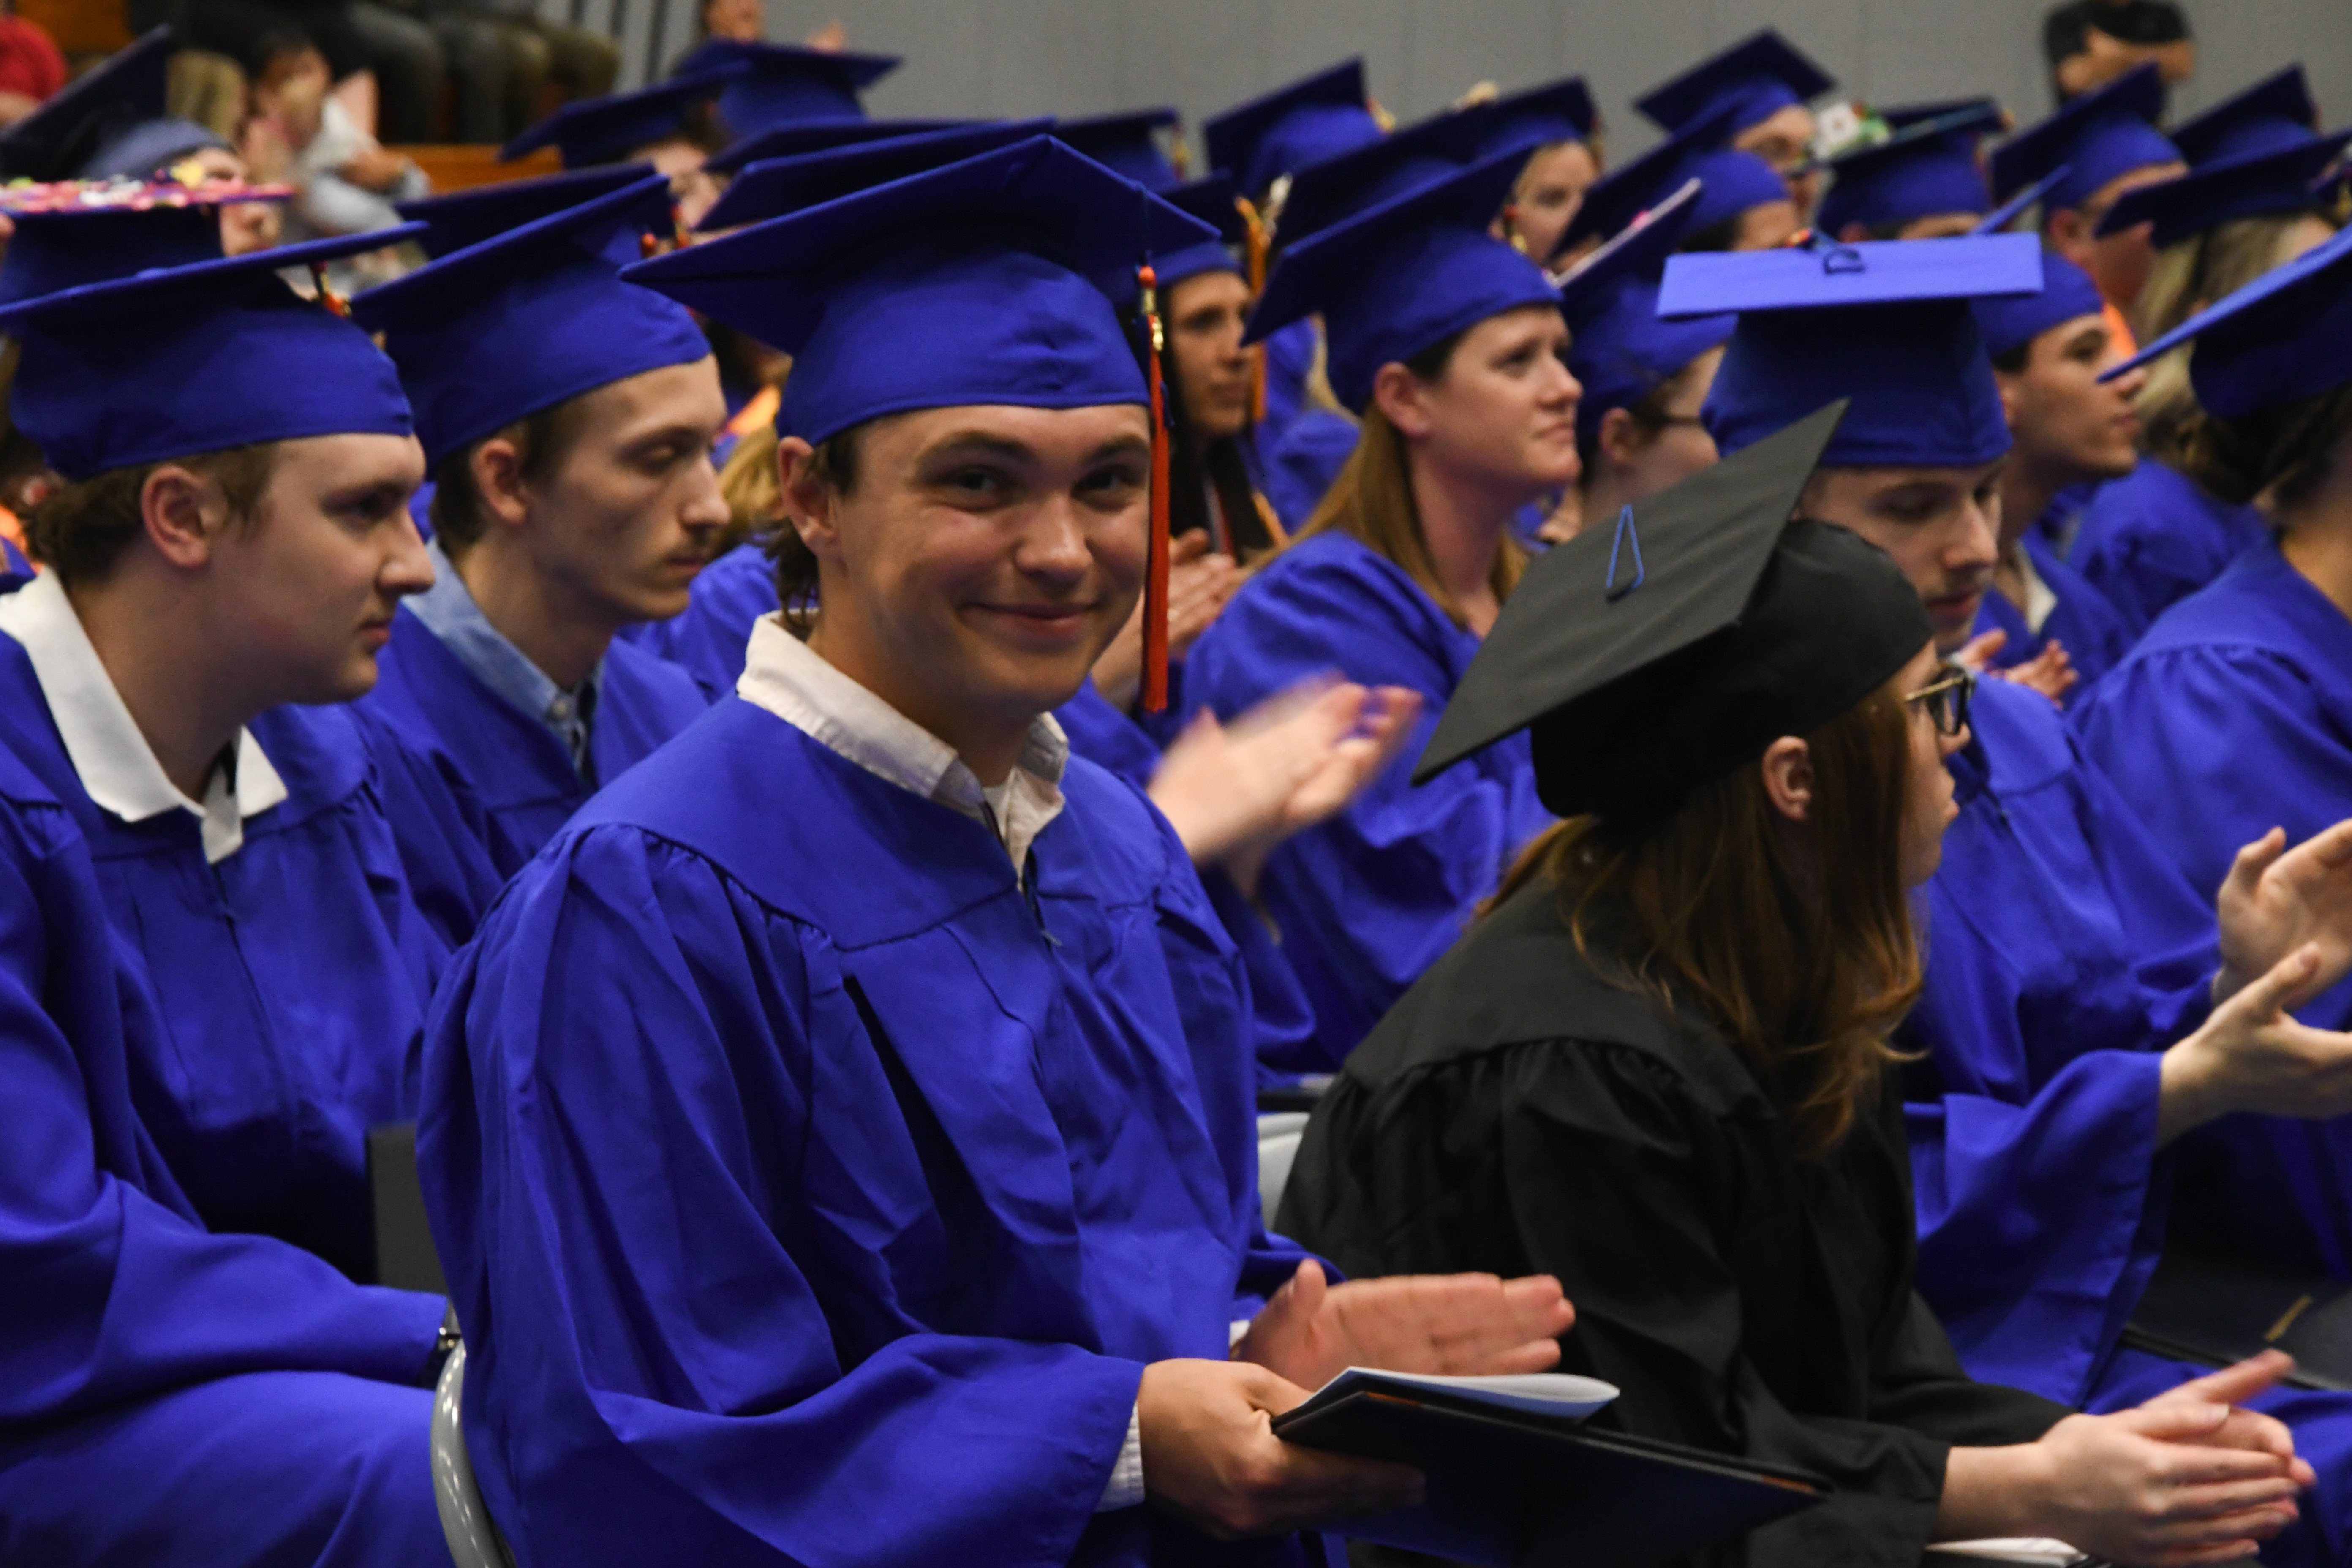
2283, 338
1317, 117
1405, 159
2275, 114
775, 186
498, 330
1928, 168
196, 357
1408, 273
1127, 145
817, 136
1998, 220
470, 216
616, 127
1757, 78
2099, 137
2284, 179
2012, 320
108, 121
997, 279
783, 84
1733, 182
1556, 111
57, 247
1212, 201
1887, 324
1619, 347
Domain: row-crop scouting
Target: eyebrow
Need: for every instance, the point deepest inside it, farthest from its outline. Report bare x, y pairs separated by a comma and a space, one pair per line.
976, 442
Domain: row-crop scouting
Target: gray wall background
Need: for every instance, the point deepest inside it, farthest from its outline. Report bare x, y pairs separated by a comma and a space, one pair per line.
1035, 56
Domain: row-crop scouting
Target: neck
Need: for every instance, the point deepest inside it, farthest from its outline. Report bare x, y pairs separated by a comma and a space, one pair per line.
1607, 493
1461, 523
2026, 492
555, 627
178, 677
2318, 542
985, 739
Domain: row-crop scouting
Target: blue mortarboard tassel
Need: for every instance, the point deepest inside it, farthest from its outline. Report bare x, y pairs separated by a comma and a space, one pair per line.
1626, 533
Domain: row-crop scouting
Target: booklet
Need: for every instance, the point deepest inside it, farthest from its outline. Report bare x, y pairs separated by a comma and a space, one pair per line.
1514, 1477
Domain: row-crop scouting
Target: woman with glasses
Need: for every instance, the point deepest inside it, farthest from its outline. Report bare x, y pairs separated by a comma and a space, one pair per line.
1663, 1065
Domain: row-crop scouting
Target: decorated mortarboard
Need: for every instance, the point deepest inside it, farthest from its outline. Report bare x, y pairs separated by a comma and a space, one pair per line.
1127, 145
2283, 338
1999, 220
1210, 200
2099, 136
616, 127
470, 216
1000, 279
526, 319
1619, 348
2286, 179
103, 111
818, 136
1314, 118
1540, 117
1405, 159
1928, 168
179, 360
1403, 276
774, 186
1887, 324
2012, 320
785, 84
1755, 79
72, 234
1660, 650
2275, 114
1734, 181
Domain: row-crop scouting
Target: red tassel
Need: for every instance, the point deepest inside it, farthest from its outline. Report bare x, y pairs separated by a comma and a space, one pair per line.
1155, 582
336, 304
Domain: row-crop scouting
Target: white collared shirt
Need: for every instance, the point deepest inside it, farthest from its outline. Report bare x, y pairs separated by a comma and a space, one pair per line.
792, 681
2041, 599
116, 765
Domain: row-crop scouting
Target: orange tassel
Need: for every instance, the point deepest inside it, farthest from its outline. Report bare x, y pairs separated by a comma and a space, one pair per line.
1155, 581
1260, 244
336, 304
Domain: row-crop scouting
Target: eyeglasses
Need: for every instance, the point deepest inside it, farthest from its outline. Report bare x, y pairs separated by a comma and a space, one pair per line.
1947, 699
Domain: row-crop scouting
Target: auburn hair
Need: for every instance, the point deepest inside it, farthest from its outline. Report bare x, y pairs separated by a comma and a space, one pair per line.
1801, 950
83, 526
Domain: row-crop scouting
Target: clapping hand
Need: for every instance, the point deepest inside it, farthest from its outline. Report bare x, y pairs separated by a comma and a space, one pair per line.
1460, 1324
2277, 900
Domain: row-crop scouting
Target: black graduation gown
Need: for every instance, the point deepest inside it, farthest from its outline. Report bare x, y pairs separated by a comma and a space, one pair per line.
1518, 1113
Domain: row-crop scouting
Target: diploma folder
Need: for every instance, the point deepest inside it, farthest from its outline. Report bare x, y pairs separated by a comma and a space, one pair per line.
1510, 1485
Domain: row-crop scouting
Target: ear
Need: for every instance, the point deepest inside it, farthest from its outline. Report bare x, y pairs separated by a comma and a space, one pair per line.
810, 507
184, 514
2007, 384
1398, 394
2070, 233
497, 466
1788, 768
1621, 438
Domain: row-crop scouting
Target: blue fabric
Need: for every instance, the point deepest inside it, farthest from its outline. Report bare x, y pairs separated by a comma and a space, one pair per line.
1126, 143
2152, 538
509, 759
55, 250
791, 182
1289, 361
2095, 635
1368, 900
1734, 182
2279, 179
2063, 952
1300, 469
2013, 320
709, 637
2276, 111
456, 219
1760, 75
1620, 350
2088, 142
1541, 117
1305, 122
1929, 169
608, 130
779, 1187
787, 84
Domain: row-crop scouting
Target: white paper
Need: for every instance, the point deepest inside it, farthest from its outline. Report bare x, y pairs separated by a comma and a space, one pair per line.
2026, 1551
1539, 1393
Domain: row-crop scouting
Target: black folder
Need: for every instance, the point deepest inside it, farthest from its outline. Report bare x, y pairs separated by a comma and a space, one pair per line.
2204, 1305
1507, 1487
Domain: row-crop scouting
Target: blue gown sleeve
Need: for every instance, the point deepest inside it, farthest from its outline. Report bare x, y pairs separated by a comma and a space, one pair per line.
114, 1291
446, 836
620, 1081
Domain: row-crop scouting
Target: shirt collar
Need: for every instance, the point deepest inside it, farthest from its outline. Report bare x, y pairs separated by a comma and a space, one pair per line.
449, 613
795, 682
115, 764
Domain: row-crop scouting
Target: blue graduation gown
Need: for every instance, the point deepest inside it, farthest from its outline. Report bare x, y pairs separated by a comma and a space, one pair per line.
1368, 900
1289, 361
2095, 635
709, 637
1303, 463
813, 1192
2152, 538
513, 762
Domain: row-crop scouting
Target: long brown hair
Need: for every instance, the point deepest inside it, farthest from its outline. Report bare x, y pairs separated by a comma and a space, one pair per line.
1371, 501
1801, 952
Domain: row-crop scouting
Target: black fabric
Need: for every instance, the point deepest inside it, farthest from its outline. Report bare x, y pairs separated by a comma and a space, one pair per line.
1518, 1112
2144, 22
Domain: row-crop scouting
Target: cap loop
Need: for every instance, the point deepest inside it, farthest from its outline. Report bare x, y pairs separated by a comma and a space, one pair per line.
1611, 591
1843, 258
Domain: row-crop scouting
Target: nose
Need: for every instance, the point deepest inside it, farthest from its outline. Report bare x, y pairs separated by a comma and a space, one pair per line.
1562, 389
408, 568
1053, 545
1976, 544
706, 510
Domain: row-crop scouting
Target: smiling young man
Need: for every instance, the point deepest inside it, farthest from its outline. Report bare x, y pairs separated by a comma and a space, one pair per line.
214, 963
2070, 970
568, 418
890, 1196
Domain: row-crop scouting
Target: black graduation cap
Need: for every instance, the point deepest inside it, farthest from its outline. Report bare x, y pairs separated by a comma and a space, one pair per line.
1664, 647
